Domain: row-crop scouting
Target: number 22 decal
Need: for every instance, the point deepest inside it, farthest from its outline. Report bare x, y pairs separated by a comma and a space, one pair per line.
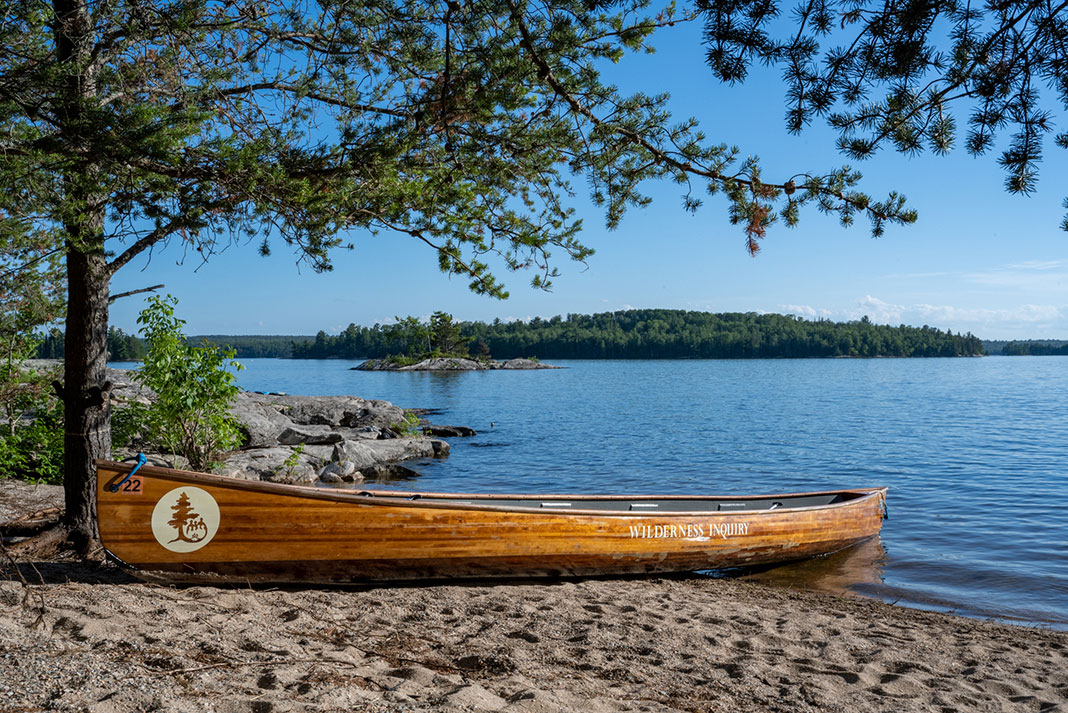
131, 486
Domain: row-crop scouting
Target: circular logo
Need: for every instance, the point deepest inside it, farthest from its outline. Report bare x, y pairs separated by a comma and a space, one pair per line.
185, 519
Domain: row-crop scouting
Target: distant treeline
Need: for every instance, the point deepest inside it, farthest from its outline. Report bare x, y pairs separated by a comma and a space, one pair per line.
632, 334
664, 334
1029, 347
128, 347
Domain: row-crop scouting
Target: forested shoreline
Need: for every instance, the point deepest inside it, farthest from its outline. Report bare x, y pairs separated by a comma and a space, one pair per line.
666, 334
630, 334
1027, 347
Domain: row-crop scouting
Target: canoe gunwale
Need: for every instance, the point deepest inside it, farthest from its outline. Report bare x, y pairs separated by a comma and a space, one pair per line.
429, 500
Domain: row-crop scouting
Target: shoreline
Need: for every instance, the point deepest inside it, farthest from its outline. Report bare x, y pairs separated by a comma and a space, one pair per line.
86, 636
91, 638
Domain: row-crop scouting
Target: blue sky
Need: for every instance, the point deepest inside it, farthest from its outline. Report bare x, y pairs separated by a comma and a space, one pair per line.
978, 260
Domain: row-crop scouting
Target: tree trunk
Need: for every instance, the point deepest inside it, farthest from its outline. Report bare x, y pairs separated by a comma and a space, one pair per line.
86, 393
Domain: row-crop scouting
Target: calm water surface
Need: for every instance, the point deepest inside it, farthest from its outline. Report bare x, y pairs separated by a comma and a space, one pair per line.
973, 451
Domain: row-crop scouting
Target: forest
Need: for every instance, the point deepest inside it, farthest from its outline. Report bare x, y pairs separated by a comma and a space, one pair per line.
662, 334
630, 334
129, 347
1028, 347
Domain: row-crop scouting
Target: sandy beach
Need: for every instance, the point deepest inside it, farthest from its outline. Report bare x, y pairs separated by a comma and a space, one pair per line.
85, 636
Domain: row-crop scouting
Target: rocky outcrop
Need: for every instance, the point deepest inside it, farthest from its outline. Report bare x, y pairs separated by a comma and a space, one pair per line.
302, 439
448, 431
452, 364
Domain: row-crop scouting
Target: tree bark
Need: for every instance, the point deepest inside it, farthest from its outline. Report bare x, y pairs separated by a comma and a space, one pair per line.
86, 393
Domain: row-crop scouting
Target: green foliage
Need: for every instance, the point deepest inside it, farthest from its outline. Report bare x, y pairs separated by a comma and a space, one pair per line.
1031, 347
412, 334
31, 435
405, 342
128, 424
254, 346
31, 417
461, 127
291, 462
131, 124
676, 334
446, 336
403, 360
129, 347
193, 387
410, 427
124, 347
900, 74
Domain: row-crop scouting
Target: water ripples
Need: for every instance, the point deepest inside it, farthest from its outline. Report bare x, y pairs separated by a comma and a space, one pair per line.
973, 450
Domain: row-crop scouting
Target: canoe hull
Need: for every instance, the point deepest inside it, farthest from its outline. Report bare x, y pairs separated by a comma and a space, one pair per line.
186, 526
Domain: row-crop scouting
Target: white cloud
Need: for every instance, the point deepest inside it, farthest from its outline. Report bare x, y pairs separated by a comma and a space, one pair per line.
1030, 275
808, 311
1019, 322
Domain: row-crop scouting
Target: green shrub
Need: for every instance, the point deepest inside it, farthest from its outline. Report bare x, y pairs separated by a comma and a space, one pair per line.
410, 427
31, 432
193, 386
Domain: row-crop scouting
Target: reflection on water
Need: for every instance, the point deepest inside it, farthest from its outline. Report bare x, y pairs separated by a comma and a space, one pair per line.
842, 572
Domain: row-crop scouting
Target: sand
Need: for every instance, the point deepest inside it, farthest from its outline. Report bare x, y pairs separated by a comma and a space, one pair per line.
85, 636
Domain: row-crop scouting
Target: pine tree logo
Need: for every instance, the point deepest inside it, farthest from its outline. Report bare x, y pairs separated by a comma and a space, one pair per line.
185, 519
190, 526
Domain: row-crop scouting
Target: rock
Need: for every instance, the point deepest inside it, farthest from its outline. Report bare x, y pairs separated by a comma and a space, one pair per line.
452, 364
336, 411
446, 364
449, 431
297, 439
328, 476
369, 433
346, 468
365, 454
259, 419
358, 453
388, 472
125, 390
340, 472
322, 436
525, 364
277, 465
374, 414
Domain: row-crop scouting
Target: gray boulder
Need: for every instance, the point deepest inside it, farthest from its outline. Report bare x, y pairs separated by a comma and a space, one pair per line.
277, 465
298, 439
367, 453
309, 435
340, 472
337, 411
449, 431
260, 419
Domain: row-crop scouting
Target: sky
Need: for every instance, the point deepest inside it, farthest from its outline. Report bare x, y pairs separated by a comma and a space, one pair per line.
978, 259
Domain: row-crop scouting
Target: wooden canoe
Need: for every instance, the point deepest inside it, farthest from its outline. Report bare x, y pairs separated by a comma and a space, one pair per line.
185, 526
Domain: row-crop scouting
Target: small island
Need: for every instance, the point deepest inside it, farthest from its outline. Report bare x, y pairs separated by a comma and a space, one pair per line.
440, 345
451, 363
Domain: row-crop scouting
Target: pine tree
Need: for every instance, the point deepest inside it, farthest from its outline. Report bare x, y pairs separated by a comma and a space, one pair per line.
900, 74
128, 125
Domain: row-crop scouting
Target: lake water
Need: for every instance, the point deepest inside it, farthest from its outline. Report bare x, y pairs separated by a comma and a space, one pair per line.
973, 451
